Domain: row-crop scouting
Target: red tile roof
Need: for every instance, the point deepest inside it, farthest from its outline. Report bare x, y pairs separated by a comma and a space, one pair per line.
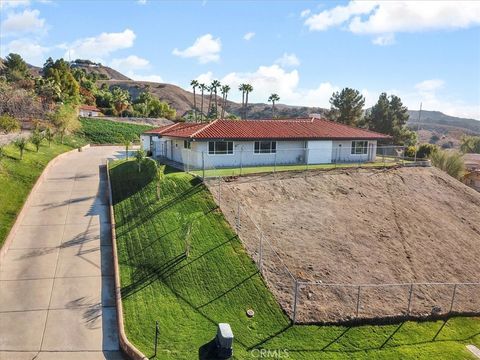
301, 129
89, 108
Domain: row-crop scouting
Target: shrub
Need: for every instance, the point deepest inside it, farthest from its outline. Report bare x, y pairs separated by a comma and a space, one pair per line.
450, 162
8, 124
426, 150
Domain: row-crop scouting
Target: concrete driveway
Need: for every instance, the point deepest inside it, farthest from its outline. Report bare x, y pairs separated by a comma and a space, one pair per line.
56, 283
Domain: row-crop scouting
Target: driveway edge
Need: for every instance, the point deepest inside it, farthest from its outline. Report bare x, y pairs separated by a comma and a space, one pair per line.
21, 214
131, 351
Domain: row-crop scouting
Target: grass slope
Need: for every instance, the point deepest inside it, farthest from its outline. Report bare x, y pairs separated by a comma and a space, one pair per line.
218, 281
98, 131
17, 177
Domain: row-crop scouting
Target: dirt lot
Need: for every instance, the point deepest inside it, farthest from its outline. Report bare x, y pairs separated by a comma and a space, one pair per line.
363, 227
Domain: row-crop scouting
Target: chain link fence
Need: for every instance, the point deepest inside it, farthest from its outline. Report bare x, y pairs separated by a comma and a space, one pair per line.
317, 302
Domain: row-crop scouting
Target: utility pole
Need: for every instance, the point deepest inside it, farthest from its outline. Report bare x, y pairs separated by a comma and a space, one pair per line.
418, 129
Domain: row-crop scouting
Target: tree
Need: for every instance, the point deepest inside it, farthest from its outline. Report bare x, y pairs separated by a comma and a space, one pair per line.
389, 116
127, 142
48, 91
16, 68
273, 99
61, 73
248, 89
160, 177
140, 157
203, 87
121, 99
8, 124
215, 84
65, 120
242, 88
194, 84
449, 161
224, 90
49, 135
21, 144
346, 106
470, 144
36, 139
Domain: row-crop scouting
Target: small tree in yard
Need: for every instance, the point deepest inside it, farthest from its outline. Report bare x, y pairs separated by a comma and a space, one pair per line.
127, 143
65, 120
36, 139
49, 135
160, 177
21, 144
187, 223
140, 157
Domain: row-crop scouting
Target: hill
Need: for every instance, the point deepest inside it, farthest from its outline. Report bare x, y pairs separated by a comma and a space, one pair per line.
99, 69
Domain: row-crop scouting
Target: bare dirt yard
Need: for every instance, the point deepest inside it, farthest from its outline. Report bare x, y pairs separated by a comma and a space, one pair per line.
397, 226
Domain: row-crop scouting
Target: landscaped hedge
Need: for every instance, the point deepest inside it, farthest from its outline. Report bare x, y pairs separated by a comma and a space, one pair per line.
98, 131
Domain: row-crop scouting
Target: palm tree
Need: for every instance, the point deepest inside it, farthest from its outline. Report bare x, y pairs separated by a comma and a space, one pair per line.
194, 84
203, 87
242, 88
36, 139
215, 84
248, 89
21, 144
126, 142
209, 88
273, 98
224, 90
49, 135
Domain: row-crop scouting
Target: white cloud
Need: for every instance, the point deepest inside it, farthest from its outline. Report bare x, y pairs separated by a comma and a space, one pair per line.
97, 46
131, 62
305, 13
385, 18
27, 21
205, 78
13, 3
384, 40
288, 60
31, 52
249, 36
141, 2
430, 85
205, 48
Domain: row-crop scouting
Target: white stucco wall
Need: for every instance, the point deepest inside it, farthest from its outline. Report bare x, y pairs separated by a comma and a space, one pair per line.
341, 152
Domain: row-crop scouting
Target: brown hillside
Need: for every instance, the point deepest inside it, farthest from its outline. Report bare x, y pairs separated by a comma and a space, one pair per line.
362, 227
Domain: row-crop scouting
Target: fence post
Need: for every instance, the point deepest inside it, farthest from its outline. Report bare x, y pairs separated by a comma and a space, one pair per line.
238, 217
241, 162
203, 165
410, 295
219, 189
188, 160
383, 152
453, 297
358, 301
260, 254
306, 158
295, 301
157, 330
275, 162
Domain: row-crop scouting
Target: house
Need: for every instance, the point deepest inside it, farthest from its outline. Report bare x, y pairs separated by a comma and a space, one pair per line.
236, 143
89, 111
472, 174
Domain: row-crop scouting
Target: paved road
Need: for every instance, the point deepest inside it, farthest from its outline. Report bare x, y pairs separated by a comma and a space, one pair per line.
56, 283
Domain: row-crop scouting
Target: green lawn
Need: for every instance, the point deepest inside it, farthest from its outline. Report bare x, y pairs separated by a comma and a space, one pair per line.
270, 169
17, 177
218, 282
98, 131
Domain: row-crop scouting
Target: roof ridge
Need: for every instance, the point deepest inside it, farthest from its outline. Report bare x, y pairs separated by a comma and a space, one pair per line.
203, 128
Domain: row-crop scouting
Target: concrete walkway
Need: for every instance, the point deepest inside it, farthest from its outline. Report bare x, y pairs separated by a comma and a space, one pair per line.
56, 284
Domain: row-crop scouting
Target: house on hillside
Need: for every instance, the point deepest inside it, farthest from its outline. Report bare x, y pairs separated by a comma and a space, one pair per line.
472, 174
89, 111
236, 143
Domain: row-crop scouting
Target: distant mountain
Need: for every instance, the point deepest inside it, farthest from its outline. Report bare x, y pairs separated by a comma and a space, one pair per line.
102, 70
437, 119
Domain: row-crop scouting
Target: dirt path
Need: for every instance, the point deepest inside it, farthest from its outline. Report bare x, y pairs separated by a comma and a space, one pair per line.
56, 283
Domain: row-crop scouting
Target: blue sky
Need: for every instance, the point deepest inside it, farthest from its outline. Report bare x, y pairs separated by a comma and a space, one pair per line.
304, 50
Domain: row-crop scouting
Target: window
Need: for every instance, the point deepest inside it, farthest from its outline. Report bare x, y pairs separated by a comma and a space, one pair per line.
187, 144
359, 147
265, 147
220, 147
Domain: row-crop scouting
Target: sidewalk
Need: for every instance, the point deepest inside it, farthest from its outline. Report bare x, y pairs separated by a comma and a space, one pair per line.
56, 283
